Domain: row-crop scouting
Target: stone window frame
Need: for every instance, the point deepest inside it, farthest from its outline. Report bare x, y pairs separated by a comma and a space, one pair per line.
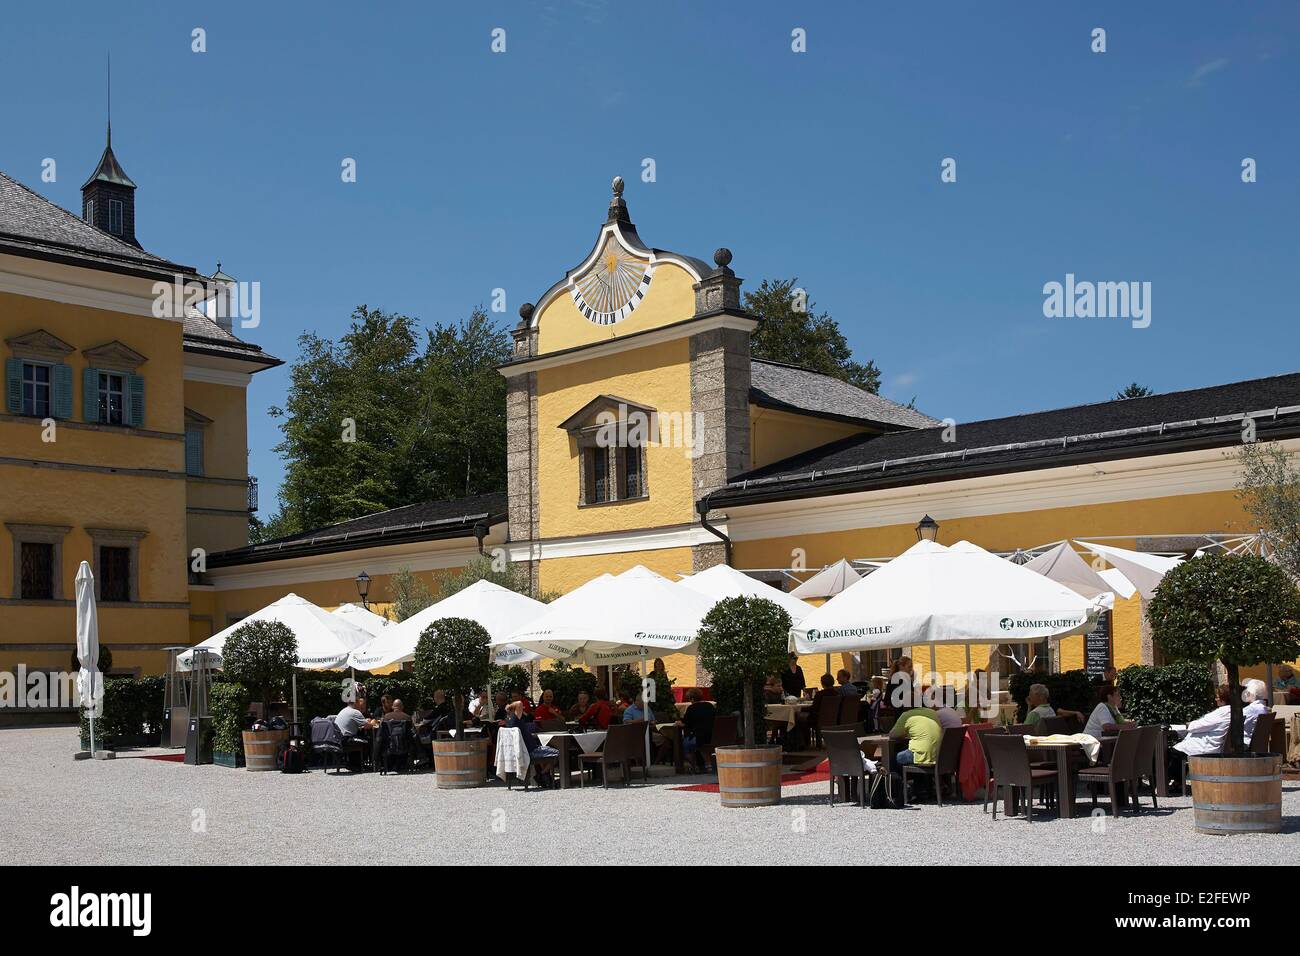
583, 429
118, 538
38, 534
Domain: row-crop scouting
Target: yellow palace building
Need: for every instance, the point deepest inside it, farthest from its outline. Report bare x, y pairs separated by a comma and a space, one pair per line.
640, 431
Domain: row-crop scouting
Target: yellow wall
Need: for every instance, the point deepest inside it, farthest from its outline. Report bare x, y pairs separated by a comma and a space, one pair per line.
658, 376
670, 298
776, 435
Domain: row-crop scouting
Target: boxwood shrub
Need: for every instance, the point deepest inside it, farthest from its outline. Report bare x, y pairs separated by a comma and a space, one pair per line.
566, 681
1172, 694
132, 713
228, 703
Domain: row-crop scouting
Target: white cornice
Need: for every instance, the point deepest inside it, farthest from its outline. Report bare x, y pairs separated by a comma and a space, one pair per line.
637, 340
626, 542
215, 376
84, 287
1133, 479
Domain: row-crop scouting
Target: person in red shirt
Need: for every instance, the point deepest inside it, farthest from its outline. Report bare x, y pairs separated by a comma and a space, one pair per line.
598, 714
518, 697
547, 709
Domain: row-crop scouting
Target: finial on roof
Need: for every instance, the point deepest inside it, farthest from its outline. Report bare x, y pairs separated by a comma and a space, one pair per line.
526, 313
722, 257
617, 207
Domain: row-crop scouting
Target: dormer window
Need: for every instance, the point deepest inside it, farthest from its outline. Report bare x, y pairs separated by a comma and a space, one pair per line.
610, 435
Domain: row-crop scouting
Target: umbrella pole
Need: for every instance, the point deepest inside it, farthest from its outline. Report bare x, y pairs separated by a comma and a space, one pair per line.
828, 663
295, 699
933, 661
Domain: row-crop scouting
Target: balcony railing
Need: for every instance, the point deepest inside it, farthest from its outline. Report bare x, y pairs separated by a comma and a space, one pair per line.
252, 494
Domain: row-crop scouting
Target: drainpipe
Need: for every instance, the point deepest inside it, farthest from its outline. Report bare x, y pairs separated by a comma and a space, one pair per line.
702, 506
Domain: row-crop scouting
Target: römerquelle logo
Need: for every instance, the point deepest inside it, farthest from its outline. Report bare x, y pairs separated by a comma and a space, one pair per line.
668, 638
1057, 623
815, 635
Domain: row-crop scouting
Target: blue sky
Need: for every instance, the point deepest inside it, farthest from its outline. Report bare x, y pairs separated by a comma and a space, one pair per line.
479, 170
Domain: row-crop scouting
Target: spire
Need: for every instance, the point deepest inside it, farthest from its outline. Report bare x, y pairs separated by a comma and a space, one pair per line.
617, 207
108, 196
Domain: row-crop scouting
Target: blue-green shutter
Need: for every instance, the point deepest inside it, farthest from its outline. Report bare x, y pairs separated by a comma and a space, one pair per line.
90, 394
193, 451
14, 386
135, 400
62, 376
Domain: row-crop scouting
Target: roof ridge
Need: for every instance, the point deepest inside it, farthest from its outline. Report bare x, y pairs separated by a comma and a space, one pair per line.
130, 251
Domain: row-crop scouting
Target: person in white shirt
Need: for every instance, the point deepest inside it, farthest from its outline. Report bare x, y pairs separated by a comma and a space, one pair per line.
1105, 717
1255, 697
1205, 735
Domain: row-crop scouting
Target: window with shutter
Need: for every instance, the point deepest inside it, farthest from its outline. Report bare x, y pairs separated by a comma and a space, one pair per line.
90, 394
36, 389
62, 391
193, 450
135, 401
13, 386
111, 406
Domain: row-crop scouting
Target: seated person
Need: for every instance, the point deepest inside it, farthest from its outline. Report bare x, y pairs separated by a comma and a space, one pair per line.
1287, 682
847, 688
548, 709
639, 709
398, 712
1255, 697
597, 716
828, 690
1205, 735
480, 708
1105, 718
623, 703
792, 680
500, 700
948, 716
921, 729
580, 706
1038, 703
352, 721
697, 728
772, 692
519, 697
441, 716
542, 758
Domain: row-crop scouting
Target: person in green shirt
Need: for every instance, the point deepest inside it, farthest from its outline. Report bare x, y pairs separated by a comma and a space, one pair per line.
1038, 703
921, 729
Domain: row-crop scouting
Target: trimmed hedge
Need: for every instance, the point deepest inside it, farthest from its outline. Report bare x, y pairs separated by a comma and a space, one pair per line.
566, 681
1173, 694
511, 679
228, 703
1072, 690
133, 712
629, 682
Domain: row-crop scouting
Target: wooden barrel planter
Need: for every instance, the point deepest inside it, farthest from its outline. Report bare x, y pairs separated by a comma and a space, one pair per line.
1237, 794
749, 776
261, 746
460, 763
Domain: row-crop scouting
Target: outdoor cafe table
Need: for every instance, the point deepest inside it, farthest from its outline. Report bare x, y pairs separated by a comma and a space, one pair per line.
1066, 779
878, 747
564, 741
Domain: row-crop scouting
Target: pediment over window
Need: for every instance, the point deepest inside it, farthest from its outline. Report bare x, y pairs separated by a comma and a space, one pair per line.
39, 345
604, 409
196, 418
114, 355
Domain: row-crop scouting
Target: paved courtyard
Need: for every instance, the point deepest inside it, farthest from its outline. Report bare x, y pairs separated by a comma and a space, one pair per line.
55, 810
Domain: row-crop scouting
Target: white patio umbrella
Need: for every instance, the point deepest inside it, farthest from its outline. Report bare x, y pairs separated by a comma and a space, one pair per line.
1144, 571
364, 618
1120, 585
90, 686
324, 640
723, 581
828, 582
935, 595
499, 610
615, 620
1063, 565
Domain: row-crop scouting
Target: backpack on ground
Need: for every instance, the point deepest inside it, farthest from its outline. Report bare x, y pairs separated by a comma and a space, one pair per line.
290, 759
885, 791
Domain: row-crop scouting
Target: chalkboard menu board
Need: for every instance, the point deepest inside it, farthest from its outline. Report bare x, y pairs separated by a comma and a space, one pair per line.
1096, 647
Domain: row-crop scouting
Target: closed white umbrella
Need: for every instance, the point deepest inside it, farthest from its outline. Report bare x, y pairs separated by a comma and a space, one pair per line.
1144, 571
935, 595
364, 618
499, 610
616, 620
828, 582
723, 581
324, 640
90, 686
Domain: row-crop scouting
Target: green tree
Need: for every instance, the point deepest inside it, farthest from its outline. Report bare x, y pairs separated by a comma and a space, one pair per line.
792, 332
1241, 610
503, 573
1134, 391
1270, 491
261, 655
452, 655
410, 595
374, 421
742, 640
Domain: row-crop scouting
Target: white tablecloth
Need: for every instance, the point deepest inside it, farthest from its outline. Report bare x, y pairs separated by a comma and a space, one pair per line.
1091, 745
588, 742
512, 755
786, 713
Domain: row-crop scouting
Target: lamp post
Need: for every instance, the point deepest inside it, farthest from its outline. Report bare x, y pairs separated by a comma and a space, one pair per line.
927, 529
363, 588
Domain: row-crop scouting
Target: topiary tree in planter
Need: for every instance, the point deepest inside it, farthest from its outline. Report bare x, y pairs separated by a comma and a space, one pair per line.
1238, 610
452, 655
742, 640
261, 655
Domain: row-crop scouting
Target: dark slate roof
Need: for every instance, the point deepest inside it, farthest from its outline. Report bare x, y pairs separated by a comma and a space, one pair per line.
109, 169
426, 521
31, 225
801, 390
1159, 424
205, 337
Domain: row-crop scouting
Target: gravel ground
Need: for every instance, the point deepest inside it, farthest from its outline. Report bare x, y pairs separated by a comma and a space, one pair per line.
135, 811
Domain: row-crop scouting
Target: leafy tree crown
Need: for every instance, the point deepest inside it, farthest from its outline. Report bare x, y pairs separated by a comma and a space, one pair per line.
744, 639
452, 655
1241, 610
261, 655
